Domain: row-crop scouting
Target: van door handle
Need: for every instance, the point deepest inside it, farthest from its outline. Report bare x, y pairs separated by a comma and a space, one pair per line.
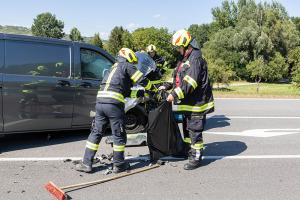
86, 85
63, 83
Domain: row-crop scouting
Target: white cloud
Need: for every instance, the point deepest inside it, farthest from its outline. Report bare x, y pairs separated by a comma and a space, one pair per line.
156, 16
132, 25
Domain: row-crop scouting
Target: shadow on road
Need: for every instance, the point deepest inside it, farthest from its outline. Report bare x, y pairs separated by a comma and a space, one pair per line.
217, 121
32, 140
226, 148
218, 149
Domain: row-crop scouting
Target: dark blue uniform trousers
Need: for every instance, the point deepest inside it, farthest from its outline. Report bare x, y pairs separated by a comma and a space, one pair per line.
115, 115
193, 126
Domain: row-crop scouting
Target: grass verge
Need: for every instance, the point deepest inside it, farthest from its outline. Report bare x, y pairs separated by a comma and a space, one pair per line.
266, 90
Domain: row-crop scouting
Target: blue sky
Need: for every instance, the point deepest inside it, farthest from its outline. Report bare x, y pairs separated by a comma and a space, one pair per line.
91, 16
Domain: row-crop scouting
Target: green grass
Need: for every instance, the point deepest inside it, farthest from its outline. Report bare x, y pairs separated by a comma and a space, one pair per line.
269, 90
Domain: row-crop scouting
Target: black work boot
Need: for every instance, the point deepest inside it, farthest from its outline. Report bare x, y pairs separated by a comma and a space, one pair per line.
193, 163
81, 167
120, 167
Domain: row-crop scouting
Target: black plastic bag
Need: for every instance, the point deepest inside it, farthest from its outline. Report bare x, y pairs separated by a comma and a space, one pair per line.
163, 134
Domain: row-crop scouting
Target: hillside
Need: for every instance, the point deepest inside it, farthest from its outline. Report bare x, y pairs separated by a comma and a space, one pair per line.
15, 30
20, 30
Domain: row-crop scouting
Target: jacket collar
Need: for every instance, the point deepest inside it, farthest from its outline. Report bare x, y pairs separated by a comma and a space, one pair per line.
196, 53
121, 59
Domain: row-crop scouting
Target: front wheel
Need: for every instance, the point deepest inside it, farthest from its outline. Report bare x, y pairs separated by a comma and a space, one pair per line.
135, 121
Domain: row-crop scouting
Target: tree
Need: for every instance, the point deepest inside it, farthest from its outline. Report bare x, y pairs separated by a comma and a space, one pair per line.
127, 40
200, 32
296, 75
249, 32
219, 72
115, 41
245, 39
220, 46
296, 21
46, 25
96, 40
226, 15
75, 35
256, 70
294, 57
263, 46
276, 69
294, 62
160, 37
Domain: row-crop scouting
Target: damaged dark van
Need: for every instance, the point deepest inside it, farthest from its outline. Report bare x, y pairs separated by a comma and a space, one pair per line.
48, 84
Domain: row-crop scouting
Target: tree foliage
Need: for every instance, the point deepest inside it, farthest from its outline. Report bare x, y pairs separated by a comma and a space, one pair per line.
219, 72
226, 15
200, 32
127, 40
75, 35
46, 25
96, 40
294, 62
256, 69
115, 41
160, 37
255, 38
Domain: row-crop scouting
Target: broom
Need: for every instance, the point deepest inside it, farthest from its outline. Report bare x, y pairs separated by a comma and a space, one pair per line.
60, 194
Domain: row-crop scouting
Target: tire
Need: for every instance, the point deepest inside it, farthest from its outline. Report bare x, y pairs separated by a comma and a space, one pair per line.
135, 121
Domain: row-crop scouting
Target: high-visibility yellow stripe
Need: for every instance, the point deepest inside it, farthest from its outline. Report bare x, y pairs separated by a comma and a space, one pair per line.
133, 93
148, 86
110, 94
191, 81
187, 140
179, 93
119, 148
198, 146
110, 76
136, 76
156, 82
92, 146
193, 108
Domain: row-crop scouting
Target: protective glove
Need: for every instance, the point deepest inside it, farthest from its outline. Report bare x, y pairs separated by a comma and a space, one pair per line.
162, 87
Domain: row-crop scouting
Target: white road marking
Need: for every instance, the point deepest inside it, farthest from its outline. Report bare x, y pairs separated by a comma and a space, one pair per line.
263, 99
264, 133
33, 159
253, 117
252, 157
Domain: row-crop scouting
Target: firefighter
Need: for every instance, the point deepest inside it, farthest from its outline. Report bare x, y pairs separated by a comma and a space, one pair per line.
110, 109
159, 60
192, 94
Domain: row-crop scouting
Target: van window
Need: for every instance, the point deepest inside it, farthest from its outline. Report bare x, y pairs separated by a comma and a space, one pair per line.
1, 54
93, 64
37, 59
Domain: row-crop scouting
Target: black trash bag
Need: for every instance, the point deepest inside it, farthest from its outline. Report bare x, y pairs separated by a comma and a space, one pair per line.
163, 134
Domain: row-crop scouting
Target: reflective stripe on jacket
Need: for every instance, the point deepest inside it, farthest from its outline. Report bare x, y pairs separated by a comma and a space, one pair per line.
116, 84
194, 93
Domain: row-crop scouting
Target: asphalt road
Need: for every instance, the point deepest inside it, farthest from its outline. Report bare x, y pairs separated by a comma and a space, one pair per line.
252, 152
